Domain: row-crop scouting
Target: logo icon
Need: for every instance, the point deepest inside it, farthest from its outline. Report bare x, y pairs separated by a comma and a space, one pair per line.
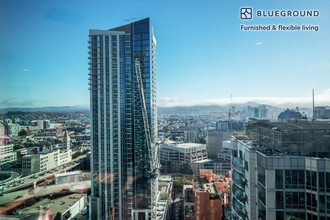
246, 13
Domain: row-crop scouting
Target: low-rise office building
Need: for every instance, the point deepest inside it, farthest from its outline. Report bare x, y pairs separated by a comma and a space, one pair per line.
65, 156
179, 154
7, 154
66, 207
68, 177
219, 166
39, 162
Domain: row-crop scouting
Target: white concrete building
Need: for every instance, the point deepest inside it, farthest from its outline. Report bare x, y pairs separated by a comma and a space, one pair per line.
185, 152
68, 177
66, 207
218, 166
165, 186
65, 157
226, 151
179, 154
2, 130
34, 163
13, 130
7, 154
41, 124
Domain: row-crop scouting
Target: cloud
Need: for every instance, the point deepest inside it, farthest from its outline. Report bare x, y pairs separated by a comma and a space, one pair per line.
25, 70
320, 99
258, 43
169, 99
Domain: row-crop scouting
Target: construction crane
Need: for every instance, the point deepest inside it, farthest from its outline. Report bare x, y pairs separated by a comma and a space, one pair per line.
230, 113
152, 146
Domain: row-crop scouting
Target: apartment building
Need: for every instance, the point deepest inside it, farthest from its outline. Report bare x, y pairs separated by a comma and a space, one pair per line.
270, 184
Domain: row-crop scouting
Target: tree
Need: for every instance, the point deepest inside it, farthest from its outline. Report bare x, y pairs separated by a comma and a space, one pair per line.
22, 133
28, 145
77, 154
178, 183
17, 146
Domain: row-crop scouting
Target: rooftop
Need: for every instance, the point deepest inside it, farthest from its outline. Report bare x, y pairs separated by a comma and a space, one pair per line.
56, 205
185, 145
299, 125
77, 172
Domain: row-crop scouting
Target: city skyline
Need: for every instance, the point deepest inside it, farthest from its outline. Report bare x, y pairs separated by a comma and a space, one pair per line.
43, 55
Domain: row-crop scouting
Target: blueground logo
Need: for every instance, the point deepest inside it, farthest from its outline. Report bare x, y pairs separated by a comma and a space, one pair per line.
246, 13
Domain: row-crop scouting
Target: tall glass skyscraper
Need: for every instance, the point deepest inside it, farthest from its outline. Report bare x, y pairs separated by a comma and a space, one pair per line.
120, 163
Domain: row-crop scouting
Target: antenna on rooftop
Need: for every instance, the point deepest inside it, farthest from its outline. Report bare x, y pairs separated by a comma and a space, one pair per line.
127, 20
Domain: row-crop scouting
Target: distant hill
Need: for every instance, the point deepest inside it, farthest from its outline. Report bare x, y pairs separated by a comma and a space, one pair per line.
178, 110
192, 110
46, 109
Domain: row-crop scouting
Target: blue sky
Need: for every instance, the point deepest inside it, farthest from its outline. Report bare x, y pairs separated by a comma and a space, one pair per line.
202, 55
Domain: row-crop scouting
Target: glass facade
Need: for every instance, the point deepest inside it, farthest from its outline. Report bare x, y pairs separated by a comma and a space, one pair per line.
281, 186
304, 192
120, 159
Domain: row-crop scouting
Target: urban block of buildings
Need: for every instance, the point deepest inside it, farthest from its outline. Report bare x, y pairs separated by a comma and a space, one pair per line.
208, 197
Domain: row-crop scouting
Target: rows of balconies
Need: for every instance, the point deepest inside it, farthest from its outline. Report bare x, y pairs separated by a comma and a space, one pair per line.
238, 164
239, 209
239, 194
239, 179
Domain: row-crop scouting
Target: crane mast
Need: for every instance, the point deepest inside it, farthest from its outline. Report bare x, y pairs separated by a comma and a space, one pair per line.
152, 147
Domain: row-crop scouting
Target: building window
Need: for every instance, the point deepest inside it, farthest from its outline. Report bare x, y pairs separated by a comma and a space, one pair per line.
279, 200
328, 182
279, 215
279, 179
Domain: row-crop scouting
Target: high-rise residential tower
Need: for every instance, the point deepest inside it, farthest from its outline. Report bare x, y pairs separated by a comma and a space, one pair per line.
120, 160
